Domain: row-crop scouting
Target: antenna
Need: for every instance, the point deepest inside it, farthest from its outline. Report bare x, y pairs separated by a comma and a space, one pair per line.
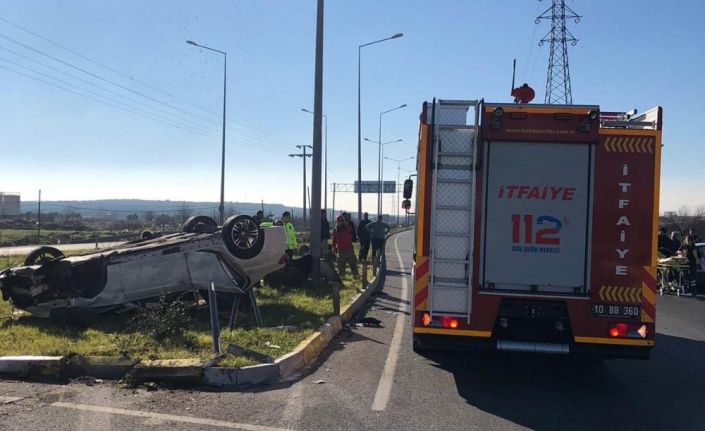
514, 72
558, 90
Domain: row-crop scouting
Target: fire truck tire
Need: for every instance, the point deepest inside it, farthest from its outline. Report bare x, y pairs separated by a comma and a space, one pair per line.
417, 346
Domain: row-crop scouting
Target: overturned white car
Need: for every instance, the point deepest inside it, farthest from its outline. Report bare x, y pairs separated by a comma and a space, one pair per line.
233, 257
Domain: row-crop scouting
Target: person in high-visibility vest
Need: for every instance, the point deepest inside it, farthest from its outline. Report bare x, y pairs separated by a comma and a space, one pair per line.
291, 243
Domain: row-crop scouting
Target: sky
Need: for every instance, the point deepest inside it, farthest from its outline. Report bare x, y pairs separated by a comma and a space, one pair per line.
148, 122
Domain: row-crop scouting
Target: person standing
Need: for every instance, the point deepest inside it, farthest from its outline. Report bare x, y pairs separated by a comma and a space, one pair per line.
691, 252
664, 243
348, 220
259, 217
342, 244
291, 243
363, 236
378, 232
675, 242
325, 234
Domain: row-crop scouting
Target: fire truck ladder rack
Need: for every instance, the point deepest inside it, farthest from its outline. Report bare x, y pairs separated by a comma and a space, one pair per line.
452, 206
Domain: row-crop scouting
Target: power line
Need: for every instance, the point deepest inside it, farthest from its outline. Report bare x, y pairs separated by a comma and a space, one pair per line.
91, 84
192, 125
127, 107
200, 130
92, 98
285, 142
162, 210
105, 67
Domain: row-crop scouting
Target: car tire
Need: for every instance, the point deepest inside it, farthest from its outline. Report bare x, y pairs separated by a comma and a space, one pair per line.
41, 255
243, 237
199, 224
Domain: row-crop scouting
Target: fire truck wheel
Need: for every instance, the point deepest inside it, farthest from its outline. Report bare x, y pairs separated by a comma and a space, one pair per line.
417, 345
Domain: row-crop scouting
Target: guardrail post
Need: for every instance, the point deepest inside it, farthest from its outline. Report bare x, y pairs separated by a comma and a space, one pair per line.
215, 323
336, 299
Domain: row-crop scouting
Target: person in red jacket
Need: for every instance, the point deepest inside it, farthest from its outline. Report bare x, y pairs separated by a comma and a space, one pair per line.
342, 244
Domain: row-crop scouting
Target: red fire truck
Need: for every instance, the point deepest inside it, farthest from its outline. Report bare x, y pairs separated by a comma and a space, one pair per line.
536, 228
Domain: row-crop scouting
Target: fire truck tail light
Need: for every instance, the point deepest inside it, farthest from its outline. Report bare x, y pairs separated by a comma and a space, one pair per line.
619, 330
426, 319
449, 322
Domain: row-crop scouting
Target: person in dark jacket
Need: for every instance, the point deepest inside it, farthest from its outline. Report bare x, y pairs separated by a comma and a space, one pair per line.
675, 242
378, 232
664, 243
325, 234
691, 252
363, 236
348, 219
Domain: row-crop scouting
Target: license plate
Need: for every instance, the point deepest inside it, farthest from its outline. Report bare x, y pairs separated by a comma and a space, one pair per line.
610, 310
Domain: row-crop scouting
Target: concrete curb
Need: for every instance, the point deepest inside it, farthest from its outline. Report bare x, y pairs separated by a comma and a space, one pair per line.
308, 350
33, 366
183, 371
101, 367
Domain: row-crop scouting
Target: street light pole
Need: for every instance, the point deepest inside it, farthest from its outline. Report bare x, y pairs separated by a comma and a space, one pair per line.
325, 160
380, 165
398, 179
221, 207
359, 121
380, 149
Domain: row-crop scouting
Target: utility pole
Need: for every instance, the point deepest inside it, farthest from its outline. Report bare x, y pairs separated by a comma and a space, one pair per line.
303, 155
558, 90
317, 159
39, 217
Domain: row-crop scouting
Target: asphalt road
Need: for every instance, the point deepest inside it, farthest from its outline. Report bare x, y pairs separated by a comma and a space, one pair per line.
369, 379
25, 249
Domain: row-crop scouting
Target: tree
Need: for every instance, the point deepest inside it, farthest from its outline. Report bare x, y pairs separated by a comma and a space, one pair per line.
149, 216
132, 218
185, 211
163, 219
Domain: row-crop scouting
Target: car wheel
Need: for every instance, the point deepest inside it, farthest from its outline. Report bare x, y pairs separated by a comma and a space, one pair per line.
243, 237
199, 224
42, 255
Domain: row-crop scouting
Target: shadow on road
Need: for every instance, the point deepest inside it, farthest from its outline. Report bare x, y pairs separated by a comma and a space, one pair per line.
552, 393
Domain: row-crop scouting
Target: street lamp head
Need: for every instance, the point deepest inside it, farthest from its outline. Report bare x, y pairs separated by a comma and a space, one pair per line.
398, 35
190, 42
306, 110
403, 106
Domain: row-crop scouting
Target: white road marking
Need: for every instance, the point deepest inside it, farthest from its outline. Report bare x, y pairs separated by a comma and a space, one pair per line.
294, 405
166, 417
384, 388
8, 400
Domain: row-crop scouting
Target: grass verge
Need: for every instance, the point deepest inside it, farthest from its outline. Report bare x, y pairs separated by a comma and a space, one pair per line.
304, 307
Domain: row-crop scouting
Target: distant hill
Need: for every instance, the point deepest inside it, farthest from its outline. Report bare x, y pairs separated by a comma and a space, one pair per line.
121, 208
